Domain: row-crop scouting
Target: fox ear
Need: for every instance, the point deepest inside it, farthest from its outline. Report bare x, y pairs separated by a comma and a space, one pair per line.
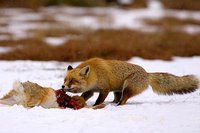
85, 71
69, 68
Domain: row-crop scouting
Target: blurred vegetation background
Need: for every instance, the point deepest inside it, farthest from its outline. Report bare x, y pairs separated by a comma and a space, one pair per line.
83, 42
39, 3
34, 4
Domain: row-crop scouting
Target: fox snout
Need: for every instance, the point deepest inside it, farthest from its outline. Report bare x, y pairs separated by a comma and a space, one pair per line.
63, 86
73, 89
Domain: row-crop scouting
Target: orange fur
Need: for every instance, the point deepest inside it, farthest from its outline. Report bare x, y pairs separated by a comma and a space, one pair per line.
124, 79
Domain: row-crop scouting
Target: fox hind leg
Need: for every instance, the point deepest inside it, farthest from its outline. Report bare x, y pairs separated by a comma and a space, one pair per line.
133, 85
127, 93
15, 96
8, 99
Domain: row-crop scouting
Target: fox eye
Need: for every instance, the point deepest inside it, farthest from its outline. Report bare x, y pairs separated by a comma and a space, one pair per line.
70, 81
73, 81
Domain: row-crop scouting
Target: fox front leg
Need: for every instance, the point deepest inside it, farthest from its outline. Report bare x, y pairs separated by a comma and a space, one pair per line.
101, 98
87, 95
117, 96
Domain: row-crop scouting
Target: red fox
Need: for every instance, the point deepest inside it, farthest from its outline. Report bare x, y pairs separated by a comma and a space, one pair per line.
124, 79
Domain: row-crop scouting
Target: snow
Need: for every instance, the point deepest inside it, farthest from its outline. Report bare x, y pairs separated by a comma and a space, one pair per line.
55, 41
147, 112
5, 49
192, 29
125, 2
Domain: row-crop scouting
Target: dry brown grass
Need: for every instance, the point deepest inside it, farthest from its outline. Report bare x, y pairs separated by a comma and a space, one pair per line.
35, 4
46, 18
182, 4
54, 32
138, 4
134, 4
109, 44
172, 22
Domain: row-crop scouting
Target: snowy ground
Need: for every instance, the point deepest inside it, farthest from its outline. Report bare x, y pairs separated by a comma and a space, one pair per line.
146, 113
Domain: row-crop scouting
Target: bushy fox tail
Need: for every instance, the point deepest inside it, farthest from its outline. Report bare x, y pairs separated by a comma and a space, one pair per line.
13, 97
168, 84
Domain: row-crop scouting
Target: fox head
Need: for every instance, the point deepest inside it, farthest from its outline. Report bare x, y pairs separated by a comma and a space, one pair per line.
76, 80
